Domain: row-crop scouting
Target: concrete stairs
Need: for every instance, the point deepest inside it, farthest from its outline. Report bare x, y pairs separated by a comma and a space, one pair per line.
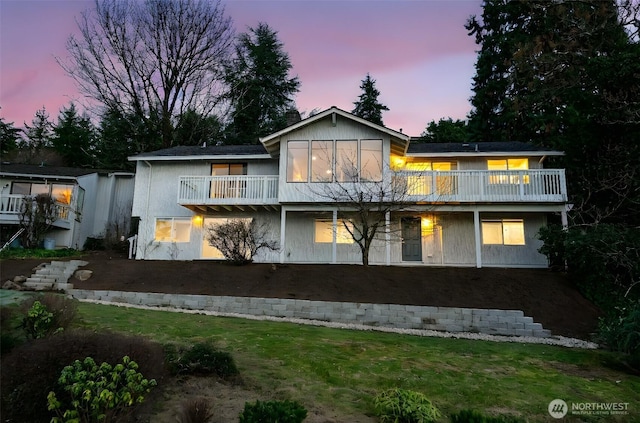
54, 275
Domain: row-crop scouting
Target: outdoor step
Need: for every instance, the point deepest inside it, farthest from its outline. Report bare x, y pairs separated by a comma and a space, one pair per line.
40, 286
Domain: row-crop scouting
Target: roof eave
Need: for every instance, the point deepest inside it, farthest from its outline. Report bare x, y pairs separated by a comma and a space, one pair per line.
200, 157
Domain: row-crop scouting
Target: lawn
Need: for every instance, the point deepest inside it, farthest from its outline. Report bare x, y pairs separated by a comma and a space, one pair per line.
343, 369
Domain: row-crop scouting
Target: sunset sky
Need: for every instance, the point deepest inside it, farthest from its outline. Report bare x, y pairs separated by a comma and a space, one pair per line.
418, 52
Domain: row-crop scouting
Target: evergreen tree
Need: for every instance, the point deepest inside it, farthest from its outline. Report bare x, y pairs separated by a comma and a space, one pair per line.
261, 91
445, 130
195, 129
9, 137
39, 134
74, 138
565, 75
368, 107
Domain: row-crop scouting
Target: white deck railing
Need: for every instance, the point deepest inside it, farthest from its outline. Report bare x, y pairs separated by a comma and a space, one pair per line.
11, 206
232, 190
534, 185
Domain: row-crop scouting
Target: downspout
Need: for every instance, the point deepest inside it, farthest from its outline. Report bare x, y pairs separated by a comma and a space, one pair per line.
146, 213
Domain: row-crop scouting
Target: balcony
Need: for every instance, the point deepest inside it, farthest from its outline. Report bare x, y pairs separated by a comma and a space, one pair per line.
228, 190
11, 204
533, 185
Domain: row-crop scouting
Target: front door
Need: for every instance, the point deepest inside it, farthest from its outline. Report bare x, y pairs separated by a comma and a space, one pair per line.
411, 240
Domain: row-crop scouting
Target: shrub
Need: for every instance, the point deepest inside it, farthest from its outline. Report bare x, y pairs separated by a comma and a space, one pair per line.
95, 393
273, 412
620, 331
204, 359
47, 314
472, 416
8, 325
195, 410
30, 371
239, 240
404, 406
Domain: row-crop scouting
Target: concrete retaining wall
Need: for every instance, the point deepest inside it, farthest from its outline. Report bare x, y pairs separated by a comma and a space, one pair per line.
450, 319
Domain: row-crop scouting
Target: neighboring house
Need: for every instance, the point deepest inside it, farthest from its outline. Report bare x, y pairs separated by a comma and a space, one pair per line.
468, 204
90, 202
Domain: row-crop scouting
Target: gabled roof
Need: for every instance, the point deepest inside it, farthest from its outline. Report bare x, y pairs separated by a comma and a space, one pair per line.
50, 172
195, 152
272, 142
479, 149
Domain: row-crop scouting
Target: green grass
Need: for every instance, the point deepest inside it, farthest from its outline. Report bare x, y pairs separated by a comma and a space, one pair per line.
23, 253
345, 369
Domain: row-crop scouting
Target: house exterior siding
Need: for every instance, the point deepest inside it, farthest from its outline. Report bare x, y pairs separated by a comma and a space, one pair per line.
464, 215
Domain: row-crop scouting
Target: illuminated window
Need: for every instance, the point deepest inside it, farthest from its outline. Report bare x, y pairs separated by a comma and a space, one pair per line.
425, 184
297, 161
371, 160
508, 164
173, 229
347, 161
324, 231
503, 232
225, 169
321, 161
62, 193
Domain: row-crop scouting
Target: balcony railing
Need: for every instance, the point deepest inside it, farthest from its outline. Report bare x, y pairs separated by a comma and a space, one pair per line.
11, 207
533, 185
228, 190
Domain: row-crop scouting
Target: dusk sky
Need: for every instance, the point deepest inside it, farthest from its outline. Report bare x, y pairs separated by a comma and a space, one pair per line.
418, 52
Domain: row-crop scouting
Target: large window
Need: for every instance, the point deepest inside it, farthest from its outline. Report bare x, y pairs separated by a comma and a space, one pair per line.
339, 160
324, 231
173, 229
298, 161
508, 164
503, 232
321, 161
371, 160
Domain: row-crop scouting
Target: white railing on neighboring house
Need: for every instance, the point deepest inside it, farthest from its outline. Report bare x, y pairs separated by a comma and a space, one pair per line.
232, 190
11, 205
533, 185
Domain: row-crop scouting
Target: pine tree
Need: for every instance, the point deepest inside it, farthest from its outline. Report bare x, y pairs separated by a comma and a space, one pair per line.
261, 91
39, 134
9, 137
368, 107
74, 138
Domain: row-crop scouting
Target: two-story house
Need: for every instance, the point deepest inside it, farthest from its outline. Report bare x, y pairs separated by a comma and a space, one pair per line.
89, 202
462, 204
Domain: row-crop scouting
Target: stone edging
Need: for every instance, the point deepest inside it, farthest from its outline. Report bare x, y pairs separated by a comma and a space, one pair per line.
448, 319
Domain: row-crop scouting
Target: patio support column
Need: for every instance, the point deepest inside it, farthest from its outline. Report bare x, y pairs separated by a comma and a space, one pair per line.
564, 218
476, 228
334, 248
387, 236
283, 226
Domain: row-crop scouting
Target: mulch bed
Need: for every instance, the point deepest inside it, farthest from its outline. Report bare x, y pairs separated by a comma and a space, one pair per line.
547, 296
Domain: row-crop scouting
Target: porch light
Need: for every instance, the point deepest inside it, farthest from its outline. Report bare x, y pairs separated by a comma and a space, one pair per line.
197, 220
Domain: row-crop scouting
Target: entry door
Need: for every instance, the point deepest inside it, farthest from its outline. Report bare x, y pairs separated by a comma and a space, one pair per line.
411, 240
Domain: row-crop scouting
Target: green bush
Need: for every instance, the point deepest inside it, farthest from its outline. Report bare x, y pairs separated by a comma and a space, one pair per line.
203, 359
404, 406
98, 393
472, 416
273, 412
32, 369
47, 314
620, 331
9, 321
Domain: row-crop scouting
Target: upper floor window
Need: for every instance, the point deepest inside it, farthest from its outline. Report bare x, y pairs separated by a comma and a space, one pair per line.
298, 161
508, 164
226, 169
340, 160
61, 193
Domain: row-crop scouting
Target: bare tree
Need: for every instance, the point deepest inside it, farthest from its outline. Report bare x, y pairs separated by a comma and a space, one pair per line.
239, 240
37, 214
366, 200
154, 59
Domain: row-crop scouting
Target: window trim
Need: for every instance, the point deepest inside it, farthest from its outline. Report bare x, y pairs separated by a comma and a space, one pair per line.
172, 229
502, 231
